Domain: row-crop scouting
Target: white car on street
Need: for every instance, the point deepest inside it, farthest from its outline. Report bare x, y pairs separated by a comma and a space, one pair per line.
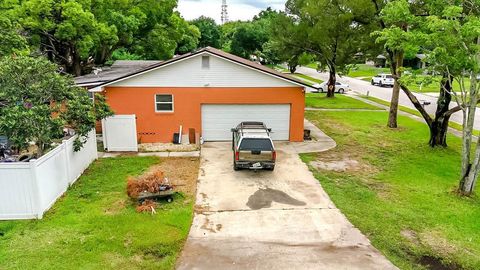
383, 80
339, 87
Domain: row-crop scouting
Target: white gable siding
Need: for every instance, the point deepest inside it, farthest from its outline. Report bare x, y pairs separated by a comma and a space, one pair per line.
189, 73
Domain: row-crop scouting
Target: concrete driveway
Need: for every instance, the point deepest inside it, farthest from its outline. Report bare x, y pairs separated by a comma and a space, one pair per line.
270, 220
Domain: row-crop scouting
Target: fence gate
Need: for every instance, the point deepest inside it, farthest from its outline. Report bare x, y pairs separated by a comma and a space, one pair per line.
120, 133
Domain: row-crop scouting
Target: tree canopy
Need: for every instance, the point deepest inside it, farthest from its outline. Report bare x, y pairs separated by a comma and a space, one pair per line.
37, 102
210, 34
80, 34
331, 30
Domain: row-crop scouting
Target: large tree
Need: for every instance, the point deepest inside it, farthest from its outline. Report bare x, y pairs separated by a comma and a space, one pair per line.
331, 30
248, 39
210, 34
37, 103
406, 29
80, 34
449, 34
397, 21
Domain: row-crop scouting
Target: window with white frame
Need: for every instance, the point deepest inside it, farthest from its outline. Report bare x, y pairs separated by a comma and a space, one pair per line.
163, 103
91, 96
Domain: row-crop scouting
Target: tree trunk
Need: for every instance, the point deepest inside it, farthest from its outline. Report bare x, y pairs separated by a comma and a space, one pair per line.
438, 132
439, 126
331, 83
470, 170
76, 65
393, 114
292, 68
292, 64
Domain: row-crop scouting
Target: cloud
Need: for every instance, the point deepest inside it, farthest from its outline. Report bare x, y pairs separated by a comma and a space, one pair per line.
237, 9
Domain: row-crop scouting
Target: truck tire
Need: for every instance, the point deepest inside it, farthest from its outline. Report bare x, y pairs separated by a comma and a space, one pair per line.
235, 168
341, 91
372, 82
380, 84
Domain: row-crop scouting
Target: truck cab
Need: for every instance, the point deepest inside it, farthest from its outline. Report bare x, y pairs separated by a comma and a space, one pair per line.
383, 80
252, 147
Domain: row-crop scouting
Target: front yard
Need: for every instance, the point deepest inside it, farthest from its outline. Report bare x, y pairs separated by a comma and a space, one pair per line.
397, 190
95, 225
340, 101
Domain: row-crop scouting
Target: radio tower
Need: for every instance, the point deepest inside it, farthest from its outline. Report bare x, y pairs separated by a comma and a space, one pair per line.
224, 12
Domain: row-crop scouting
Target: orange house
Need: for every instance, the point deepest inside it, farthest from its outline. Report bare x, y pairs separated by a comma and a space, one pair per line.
209, 91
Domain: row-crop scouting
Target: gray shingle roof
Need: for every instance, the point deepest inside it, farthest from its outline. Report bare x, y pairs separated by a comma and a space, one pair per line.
119, 69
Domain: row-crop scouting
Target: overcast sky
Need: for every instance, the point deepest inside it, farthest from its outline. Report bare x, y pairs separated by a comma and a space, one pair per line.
237, 9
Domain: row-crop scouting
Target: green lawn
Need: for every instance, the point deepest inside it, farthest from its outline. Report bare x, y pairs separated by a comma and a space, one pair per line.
319, 100
402, 194
306, 77
434, 86
277, 67
362, 70
415, 112
95, 226
387, 103
312, 65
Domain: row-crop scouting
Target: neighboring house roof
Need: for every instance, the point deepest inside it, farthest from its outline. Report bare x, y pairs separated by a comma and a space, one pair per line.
118, 77
118, 69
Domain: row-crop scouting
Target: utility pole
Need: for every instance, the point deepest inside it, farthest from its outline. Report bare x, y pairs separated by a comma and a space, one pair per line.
224, 11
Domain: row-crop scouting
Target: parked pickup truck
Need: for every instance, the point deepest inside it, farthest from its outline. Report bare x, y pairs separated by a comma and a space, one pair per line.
252, 147
383, 79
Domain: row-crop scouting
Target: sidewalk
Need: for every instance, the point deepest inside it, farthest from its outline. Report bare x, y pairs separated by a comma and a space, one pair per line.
146, 154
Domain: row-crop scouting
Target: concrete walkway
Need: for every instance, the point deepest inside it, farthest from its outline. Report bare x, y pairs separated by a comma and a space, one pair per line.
271, 220
146, 154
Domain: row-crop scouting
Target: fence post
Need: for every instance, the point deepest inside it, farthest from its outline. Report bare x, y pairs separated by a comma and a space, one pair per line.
67, 160
35, 189
93, 135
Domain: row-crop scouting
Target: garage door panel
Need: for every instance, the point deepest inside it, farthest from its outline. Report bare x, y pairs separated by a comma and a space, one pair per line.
217, 120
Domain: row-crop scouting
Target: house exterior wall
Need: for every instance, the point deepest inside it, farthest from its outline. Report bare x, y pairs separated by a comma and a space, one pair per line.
190, 73
159, 126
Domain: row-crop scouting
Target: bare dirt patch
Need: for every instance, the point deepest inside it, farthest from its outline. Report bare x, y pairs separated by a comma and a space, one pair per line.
438, 243
349, 160
182, 172
410, 236
336, 165
338, 162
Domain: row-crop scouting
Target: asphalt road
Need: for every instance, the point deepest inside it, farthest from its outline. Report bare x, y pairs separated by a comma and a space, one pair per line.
385, 93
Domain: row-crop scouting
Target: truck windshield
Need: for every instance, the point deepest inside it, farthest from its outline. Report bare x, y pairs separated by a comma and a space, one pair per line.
389, 77
256, 144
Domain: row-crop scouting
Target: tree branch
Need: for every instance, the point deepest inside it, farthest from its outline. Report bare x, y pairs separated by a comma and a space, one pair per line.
417, 105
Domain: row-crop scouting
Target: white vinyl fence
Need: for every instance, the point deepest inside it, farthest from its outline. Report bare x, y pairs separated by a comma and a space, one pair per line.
120, 133
29, 189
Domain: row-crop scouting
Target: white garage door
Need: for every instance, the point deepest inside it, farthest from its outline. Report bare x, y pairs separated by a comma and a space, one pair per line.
217, 120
